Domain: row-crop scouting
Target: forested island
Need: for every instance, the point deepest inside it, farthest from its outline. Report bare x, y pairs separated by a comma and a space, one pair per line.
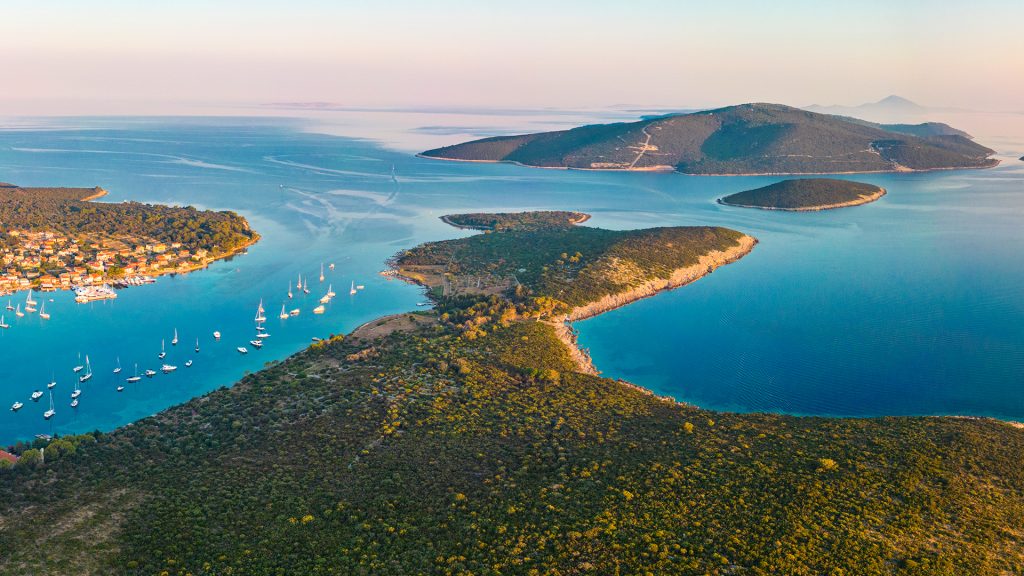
520, 221
467, 440
744, 139
806, 194
58, 237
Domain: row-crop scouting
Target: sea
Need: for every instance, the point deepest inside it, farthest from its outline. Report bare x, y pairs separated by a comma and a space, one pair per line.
911, 305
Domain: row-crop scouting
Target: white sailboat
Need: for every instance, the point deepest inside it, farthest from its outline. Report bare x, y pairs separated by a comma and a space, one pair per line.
174, 341
352, 290
135, 378
118, 369
88, 372
9, 305
197, 344
18, 312
42, 312
2, 323
163, 352
305, 287
290, 295
298, 284
28, 299
321, 271
283, 315
259, 312
330, 291
52, 383
49, 413
77, 392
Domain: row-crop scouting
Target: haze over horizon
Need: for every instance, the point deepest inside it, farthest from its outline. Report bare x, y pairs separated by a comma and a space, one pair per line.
71, 59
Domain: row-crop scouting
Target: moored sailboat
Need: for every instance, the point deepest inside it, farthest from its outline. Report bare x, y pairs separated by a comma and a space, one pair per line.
352, 290
42, 312
163, 352
321, 271
284, 313
174, 341
134, 378
259, 312
88, 371
118, 369
2, 323
49, 413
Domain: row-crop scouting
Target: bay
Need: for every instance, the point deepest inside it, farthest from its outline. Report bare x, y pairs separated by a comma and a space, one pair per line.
910, 305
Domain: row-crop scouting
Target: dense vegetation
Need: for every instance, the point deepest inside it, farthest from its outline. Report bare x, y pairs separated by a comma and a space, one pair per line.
62, 210
745, 139
430, 452
806, 194
522, 220
571, 264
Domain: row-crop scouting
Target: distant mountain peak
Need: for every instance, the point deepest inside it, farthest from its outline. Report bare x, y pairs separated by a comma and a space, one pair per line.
895, 101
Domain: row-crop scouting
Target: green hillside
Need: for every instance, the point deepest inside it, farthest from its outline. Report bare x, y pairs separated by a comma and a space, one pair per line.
745, 139
806, 194
448, 449
572, 265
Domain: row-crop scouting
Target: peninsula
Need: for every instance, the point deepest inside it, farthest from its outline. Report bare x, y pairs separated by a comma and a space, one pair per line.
466, 440
806, 194
56, 238
744, 139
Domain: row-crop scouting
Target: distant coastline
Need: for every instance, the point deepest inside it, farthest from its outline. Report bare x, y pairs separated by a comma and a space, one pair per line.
670, 169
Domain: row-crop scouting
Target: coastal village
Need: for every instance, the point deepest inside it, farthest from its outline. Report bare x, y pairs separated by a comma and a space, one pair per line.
49, 261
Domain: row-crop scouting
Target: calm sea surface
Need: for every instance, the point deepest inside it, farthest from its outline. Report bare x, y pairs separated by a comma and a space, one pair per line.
911, 305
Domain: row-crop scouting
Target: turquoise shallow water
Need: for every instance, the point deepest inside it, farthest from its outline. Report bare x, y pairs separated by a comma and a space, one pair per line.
911, 305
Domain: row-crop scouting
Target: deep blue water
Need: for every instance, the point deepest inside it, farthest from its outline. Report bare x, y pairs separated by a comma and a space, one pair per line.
910, 305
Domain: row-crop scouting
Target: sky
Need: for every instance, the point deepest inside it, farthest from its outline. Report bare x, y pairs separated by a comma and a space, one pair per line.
116, 56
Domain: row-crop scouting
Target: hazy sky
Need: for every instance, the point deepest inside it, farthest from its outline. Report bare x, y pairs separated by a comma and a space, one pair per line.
59, 56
